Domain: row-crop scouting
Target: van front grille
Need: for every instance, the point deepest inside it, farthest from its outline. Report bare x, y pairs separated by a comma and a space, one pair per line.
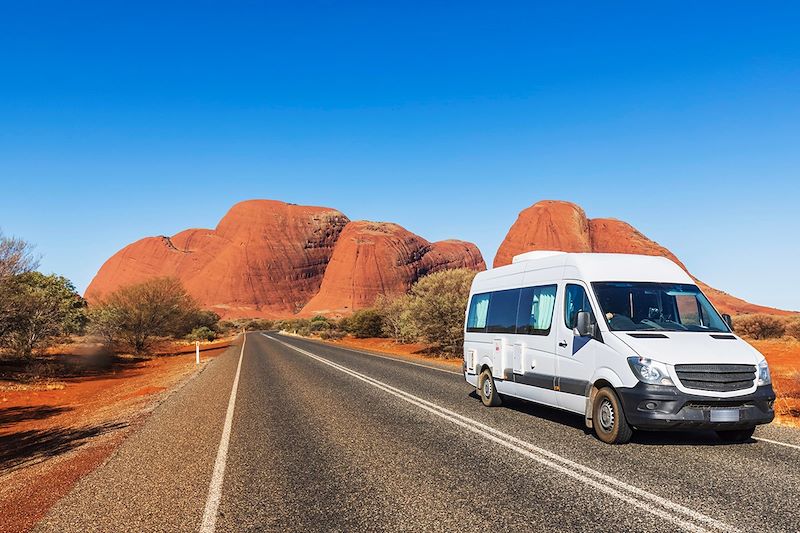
717, 378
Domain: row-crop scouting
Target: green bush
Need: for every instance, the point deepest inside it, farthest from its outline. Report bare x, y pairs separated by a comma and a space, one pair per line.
36, 309
759, 326
398, 322
436, 308
317, 326
134, 316
202, 333
365, 323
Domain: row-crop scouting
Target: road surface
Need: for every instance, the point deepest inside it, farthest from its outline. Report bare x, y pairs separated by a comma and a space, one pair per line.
287, 434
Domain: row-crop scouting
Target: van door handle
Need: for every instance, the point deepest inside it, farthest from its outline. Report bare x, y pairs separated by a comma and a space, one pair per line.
563, 344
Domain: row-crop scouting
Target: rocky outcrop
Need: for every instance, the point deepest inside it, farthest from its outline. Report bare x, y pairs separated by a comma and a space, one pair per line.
379, 258
272, 259
265, 258
555, 225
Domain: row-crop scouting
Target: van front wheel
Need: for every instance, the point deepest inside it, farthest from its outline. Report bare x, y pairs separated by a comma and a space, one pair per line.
487, 391
608, 418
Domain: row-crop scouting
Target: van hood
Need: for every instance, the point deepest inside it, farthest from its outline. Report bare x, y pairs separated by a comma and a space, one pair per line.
690, 347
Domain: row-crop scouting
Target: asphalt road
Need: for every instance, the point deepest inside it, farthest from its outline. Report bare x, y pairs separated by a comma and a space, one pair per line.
328, 439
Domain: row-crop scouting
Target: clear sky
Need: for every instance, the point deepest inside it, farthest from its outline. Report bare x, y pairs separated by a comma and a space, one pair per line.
123, 120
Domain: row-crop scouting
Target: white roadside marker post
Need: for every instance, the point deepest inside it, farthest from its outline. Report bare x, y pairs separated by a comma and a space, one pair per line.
197, 352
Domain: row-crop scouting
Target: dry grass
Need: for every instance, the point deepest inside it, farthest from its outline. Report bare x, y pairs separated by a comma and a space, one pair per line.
11, 386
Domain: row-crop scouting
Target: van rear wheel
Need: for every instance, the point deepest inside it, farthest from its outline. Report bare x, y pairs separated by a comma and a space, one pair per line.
608, 418
487, 391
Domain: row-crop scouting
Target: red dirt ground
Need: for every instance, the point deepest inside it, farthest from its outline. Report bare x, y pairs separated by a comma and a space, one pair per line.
52, 433
784, 363
388, 346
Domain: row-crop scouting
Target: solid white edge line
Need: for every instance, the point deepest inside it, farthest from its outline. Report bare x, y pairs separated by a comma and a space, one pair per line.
389, 358
215, 487
779, 443
545, 457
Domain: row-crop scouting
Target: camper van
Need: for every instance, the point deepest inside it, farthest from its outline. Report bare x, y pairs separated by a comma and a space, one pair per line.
628, 341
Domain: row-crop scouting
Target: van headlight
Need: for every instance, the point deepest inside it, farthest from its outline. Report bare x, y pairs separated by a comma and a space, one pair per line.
649, 371
763, 373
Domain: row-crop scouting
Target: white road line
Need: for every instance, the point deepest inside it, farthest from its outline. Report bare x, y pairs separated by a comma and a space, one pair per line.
461, 374
795, 446
215, 487
651, 503
389, 358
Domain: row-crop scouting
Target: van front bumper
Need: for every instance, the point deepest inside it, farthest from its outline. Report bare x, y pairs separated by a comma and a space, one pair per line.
664, 407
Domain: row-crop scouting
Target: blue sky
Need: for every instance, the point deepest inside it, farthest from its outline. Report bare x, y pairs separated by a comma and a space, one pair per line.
122, 120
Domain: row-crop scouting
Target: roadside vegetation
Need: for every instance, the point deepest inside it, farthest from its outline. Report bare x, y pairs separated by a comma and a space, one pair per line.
38, 311
431, 313
762, 326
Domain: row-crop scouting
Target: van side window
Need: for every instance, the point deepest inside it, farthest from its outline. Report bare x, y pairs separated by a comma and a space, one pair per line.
478, 311
575, 301
503, 311
535, 314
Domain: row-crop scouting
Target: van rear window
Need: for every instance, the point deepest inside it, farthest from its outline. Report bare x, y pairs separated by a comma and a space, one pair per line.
536, 306
503, 311
525, 311
478, 311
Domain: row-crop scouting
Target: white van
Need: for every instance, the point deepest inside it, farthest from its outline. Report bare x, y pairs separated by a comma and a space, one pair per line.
628, 341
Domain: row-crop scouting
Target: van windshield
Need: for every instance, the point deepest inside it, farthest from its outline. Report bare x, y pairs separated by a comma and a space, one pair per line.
657, 306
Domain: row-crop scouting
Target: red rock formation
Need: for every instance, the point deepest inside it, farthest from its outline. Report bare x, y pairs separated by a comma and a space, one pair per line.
374, 258
546, 225
265, 258
554, 225
271, 259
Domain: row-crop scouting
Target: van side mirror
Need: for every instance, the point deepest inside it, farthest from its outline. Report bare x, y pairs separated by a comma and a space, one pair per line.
584, 326
728, 320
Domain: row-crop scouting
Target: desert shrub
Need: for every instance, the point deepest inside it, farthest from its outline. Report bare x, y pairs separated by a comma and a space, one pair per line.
37, 309
759, 326
793, 329
202, 333
318, 324
398, 322
365, 323
135, 315
331, 335
298, 326
258, 324
205, 318
436, 308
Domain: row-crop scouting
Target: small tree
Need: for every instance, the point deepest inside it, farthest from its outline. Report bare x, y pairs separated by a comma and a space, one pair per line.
437, 306
138, 314
42, 308
16, 257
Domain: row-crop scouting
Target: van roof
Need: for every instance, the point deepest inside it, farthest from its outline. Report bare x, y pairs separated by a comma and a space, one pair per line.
591, 267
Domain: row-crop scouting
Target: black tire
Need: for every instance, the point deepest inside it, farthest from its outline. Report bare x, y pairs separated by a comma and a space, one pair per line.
487, 391
736, 435
608, 418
